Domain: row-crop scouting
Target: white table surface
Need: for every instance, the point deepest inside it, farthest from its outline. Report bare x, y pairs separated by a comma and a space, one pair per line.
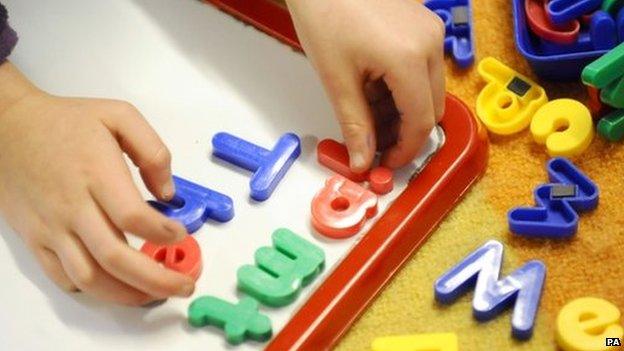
192, 71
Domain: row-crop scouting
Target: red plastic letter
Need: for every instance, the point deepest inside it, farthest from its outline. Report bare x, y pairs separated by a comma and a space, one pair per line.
542, 27
183, 257
335, 156
341, 208
380, 180
597, 108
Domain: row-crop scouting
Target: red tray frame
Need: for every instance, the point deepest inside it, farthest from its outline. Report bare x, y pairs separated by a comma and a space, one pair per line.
266, 15
402, 229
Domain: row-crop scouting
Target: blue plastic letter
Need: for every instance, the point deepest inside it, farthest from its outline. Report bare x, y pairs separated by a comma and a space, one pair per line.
481, 269
551, 218
193, 204
603, 31
457, 18
561, 170
602, 34
555, 217
620, 24
564, 11
269, 166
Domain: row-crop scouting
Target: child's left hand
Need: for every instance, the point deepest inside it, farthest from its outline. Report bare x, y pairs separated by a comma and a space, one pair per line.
382, 65
66, 190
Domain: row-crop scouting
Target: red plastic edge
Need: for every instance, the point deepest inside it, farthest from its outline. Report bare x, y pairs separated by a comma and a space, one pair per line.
400, 232
266, 15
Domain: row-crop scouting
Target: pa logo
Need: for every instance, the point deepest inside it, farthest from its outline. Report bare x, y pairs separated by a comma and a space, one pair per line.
613, 342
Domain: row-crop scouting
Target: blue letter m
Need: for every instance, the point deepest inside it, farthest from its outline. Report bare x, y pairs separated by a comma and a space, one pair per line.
481, 269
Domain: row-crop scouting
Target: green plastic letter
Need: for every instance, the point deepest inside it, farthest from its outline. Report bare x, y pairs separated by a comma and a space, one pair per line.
239, 322
281, 270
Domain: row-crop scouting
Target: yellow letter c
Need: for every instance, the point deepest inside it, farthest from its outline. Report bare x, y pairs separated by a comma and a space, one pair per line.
564, 125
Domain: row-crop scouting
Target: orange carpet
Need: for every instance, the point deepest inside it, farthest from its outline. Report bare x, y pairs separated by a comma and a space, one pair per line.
590, 264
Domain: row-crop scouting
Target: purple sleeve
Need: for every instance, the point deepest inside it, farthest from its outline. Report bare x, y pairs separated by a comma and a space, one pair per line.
8, 37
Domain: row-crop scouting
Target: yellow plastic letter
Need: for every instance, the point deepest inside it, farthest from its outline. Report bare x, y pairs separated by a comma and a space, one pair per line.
417, 342
565, 126
584, 324
509, 100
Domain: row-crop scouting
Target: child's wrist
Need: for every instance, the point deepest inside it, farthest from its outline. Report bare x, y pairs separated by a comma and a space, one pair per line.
14, 86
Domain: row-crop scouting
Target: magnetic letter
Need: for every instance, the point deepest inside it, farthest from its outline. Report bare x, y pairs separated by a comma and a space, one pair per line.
281, 270
417, 342
183, 257
268, 166
341, 208
585, 324
565, 126
481, 269
193, 204
239, 322
509, 100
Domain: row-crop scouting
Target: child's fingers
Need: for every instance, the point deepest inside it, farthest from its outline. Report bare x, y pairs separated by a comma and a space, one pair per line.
415, 103
345, 87
91, 278
114, 190
125, 263
436, 77
54, 269
144, 147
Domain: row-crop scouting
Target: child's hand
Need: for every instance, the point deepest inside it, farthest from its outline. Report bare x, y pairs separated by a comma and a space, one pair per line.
381, 62
64, 186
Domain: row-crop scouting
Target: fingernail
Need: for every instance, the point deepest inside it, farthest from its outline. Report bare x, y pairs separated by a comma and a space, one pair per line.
168, 190
187, 290
357, 160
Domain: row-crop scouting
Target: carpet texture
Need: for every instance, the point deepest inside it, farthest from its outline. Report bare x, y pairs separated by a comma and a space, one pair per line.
590, 264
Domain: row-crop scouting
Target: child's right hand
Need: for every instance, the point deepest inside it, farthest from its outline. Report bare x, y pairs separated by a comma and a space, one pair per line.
65, 188
382, 65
